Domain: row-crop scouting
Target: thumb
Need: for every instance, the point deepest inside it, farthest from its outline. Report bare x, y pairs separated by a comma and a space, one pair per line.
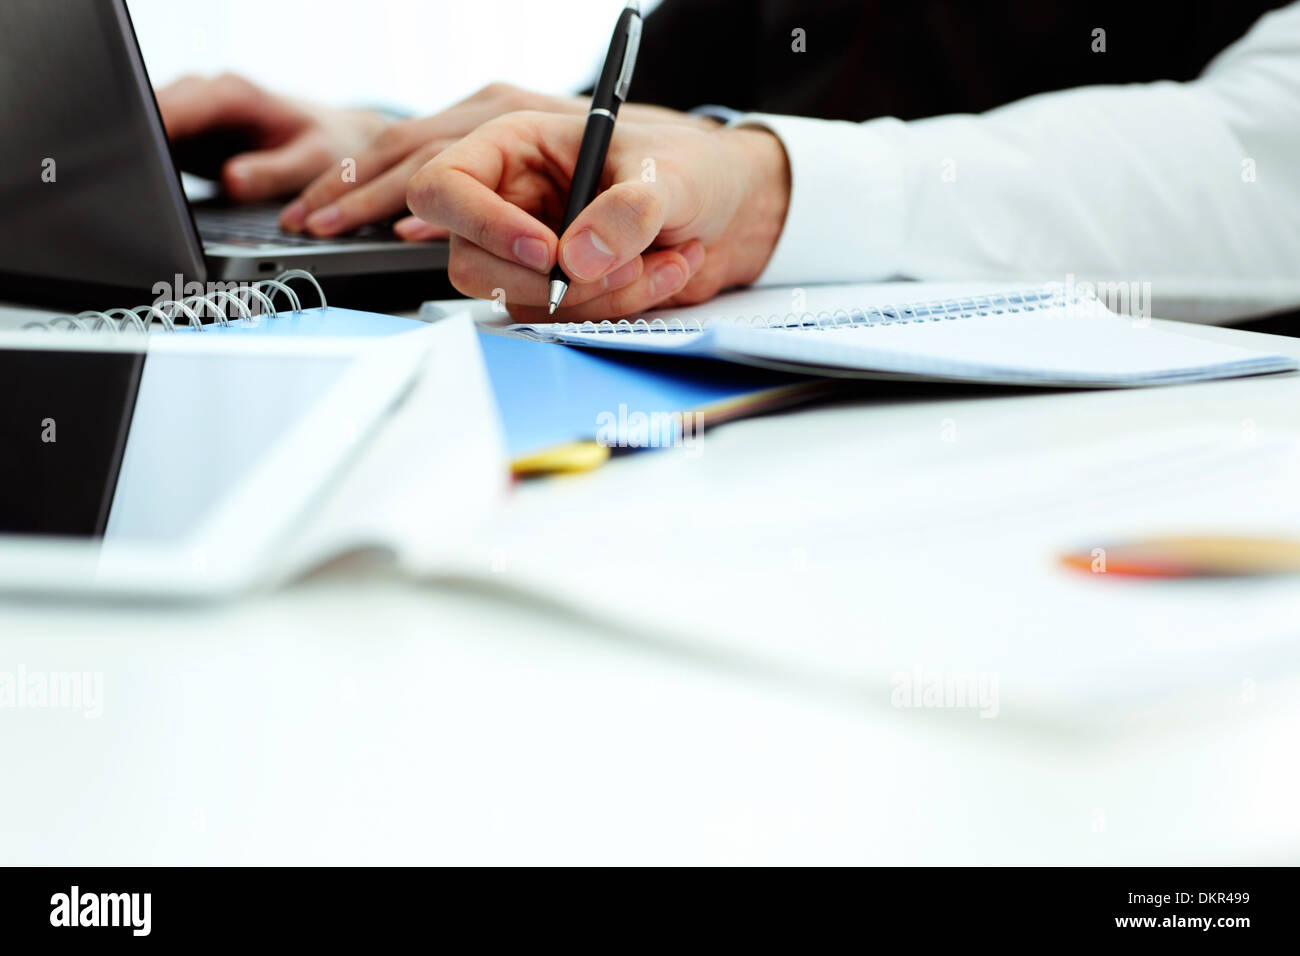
268, 173
618, 225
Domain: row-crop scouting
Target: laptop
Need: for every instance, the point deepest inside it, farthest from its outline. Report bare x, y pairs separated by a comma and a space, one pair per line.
91, 192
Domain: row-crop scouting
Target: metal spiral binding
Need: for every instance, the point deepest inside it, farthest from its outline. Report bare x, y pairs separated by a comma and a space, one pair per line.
900, 314
216, 304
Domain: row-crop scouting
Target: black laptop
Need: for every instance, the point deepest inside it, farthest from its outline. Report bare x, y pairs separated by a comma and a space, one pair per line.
89, 189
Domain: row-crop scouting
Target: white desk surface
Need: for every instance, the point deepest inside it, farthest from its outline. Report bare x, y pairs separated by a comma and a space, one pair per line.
362, 717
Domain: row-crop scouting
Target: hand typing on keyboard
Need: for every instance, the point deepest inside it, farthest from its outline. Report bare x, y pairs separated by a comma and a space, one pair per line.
289, 142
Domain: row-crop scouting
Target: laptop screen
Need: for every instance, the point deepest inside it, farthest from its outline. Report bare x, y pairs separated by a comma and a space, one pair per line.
90, 191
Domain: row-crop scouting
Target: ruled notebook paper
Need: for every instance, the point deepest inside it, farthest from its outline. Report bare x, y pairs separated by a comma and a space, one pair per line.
980, 333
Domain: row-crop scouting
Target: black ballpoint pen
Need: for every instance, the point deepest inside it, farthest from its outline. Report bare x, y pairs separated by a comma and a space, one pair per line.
610, 93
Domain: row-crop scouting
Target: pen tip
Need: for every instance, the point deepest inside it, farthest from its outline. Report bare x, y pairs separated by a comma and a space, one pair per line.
557, 290
551, 309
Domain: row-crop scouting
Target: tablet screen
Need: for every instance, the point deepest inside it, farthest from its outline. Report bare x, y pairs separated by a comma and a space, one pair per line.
140, 446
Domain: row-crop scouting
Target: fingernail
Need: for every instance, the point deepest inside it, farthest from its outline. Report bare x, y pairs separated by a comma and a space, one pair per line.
292, 215
625, 274
694, 254
668, 278
324, 220
586, 256
532, 253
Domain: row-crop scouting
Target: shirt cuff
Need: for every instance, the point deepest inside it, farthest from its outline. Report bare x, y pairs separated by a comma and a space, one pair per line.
845, 219
723, 114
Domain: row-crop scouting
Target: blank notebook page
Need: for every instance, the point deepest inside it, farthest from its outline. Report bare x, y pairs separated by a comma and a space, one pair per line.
985, 333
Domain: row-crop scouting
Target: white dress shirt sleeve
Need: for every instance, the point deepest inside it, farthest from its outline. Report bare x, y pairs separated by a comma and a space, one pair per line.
1191, 187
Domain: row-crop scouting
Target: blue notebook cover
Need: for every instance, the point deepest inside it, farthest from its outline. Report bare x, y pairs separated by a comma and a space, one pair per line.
550, 394
331, 321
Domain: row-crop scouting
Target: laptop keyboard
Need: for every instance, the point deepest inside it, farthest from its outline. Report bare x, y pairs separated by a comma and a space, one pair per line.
259, 226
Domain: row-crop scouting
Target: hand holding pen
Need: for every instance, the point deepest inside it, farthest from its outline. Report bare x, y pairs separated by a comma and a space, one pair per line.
688, 208
610, 93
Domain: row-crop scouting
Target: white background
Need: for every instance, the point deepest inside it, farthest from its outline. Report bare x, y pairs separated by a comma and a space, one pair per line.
419, 55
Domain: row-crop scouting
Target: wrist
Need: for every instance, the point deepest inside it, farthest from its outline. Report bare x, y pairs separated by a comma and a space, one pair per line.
647, 113
764, 197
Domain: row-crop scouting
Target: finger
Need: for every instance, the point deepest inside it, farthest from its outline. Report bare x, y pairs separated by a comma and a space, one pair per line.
666, 272
326, 188
705, 283
457, 190
465, 207
194, 104
413, 229
620, 223
381, 198
477, 273
318, 193
267, 173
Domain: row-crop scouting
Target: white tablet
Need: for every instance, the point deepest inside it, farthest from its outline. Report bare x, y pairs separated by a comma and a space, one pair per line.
178, 465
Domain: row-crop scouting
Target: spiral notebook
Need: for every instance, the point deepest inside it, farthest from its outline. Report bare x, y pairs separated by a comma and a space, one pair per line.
1044, 336
265, 307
